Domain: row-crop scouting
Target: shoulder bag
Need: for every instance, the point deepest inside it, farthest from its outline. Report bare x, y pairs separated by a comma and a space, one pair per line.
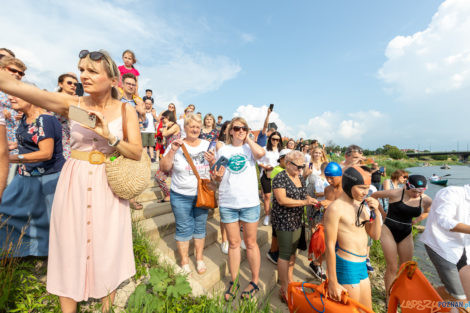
205, 193
127, 178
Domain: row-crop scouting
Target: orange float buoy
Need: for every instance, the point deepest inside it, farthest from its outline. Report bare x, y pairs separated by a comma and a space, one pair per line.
317, 242
307, 298
413, 293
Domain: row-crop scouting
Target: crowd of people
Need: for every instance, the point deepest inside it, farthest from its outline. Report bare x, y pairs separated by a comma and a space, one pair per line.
56, 201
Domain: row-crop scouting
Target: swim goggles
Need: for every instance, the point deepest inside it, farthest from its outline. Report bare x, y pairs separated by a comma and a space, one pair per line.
411, 186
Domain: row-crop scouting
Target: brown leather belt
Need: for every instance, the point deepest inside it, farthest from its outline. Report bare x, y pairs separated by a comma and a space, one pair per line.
94, 157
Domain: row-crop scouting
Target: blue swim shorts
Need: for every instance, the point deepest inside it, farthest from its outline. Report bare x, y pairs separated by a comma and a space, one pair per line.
350, 273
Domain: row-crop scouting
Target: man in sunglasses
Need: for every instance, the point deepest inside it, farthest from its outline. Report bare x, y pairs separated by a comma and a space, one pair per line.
16, 68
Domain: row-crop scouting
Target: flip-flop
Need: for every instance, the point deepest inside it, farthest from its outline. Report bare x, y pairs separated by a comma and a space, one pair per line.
248, 294
231, 292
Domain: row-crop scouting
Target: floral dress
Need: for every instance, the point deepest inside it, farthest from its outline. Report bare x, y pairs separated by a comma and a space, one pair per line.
211, 136
284, 218
65, 135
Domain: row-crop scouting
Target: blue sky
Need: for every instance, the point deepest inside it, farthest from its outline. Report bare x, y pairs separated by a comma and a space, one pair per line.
364, 72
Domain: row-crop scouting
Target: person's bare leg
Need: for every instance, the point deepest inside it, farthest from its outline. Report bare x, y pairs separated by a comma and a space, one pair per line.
267, 202
365, 293
234, 239
390, 251
223, 232
199, 245
68, 305
464, 274
183, 249
107, 302
283, 271
274, 244
405, 250
250, 231
291, 269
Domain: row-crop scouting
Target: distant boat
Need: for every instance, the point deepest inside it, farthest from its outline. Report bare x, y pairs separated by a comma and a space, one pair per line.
442, 182
445, 167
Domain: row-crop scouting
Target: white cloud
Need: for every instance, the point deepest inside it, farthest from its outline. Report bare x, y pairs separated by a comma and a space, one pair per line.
255, 117
435, 60
50, 35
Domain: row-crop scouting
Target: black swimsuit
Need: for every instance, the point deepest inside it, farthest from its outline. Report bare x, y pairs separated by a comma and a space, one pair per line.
400, 216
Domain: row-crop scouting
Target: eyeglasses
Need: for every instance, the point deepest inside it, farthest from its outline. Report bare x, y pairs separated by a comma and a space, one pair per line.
238, 128
299, 167
348, 152
275, 139
15, 71
95, 55
130, 84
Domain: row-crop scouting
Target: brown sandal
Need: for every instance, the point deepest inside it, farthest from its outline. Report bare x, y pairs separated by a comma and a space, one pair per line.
135, 205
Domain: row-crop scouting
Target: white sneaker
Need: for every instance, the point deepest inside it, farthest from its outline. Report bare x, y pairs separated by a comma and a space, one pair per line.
242, 245
224, 247
266, 220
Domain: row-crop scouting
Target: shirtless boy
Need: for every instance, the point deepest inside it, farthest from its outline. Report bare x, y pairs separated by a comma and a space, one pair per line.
347, 224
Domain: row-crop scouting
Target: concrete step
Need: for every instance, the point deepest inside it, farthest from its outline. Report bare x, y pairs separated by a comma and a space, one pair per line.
150, 194
151, 209
167, 244
162, 225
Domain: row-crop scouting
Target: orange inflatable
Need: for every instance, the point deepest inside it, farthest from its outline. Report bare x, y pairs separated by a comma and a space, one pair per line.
308, 298
413, 293
317, 242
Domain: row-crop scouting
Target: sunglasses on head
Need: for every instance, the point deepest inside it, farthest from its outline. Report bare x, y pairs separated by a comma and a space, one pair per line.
15, 71
95, 55
238, 128
299, 167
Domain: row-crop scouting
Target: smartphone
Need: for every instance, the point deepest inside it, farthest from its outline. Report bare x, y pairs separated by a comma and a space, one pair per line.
382, 169
79, 90
211, 145
271, 107
222, 161
80, 115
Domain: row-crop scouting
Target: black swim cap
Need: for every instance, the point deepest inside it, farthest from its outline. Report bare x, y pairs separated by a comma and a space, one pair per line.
355, 175
416, 181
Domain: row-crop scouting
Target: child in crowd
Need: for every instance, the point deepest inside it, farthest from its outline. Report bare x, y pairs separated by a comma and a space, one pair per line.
347, 223
128, 57
332, 192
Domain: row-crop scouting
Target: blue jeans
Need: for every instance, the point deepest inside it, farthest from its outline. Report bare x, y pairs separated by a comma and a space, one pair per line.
190, 221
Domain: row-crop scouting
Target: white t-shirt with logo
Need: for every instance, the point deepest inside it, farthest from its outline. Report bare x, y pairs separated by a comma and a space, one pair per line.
151, 123
270, 158
183, 181
239, 186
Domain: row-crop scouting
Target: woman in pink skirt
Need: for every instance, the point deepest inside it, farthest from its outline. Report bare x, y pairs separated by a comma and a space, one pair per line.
90, 245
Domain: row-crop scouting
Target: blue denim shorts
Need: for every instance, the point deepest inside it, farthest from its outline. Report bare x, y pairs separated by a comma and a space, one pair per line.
190, 221
247, 215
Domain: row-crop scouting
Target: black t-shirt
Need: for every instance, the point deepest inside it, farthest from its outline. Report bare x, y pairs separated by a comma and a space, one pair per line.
376, 176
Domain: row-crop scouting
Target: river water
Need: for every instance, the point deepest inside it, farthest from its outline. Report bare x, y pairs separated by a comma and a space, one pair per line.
459, 176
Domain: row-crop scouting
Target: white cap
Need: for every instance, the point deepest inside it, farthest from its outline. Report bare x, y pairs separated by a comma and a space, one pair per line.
284, 152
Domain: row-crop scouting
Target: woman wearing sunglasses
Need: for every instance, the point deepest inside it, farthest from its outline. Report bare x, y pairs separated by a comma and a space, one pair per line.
407, 207
90, 243
267, 163
290, 197
67, 84
239, 202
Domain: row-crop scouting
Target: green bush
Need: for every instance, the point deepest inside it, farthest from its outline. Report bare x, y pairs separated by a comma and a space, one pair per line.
396, 154
439, 157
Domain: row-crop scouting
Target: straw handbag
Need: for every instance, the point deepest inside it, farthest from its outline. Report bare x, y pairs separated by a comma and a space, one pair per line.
127, 178
205, 193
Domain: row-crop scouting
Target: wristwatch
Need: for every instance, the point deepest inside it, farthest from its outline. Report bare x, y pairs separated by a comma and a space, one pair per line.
20, 158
